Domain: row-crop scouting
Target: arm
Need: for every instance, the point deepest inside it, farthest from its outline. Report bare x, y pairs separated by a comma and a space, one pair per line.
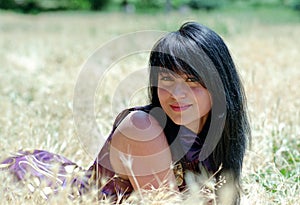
139, 151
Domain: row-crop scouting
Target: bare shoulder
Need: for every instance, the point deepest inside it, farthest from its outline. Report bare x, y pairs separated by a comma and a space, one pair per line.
141, 125
139, 132
140, 140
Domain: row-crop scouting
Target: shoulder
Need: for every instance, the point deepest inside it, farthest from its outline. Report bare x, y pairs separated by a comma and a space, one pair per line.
139, 124
139, 134
139, 146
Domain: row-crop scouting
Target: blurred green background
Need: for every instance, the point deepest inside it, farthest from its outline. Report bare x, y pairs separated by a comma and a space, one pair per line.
132, 6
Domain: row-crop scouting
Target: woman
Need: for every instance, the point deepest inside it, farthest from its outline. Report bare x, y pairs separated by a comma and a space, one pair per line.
196, 121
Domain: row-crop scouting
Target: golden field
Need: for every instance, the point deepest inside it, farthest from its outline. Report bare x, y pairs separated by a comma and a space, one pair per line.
41, 57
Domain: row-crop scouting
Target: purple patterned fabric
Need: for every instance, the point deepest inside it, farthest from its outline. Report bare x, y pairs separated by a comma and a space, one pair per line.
52, 170
38, 162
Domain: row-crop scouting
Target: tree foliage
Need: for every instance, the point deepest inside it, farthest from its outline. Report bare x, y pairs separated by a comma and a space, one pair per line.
206, 4
98, 4
44, 5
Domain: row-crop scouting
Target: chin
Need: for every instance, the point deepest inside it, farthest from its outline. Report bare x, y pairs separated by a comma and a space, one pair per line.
177, 120
181, 122
178, 123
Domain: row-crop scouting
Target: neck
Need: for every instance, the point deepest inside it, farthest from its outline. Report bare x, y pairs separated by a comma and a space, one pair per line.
197, 125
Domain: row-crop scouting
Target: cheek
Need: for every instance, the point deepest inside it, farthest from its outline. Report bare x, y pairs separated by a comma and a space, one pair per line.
162, 94
203, 98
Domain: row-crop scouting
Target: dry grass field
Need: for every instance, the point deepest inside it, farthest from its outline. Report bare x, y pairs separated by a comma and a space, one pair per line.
41, 57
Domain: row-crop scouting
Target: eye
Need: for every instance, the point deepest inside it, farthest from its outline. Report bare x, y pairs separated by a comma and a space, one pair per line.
191, 79
166, 78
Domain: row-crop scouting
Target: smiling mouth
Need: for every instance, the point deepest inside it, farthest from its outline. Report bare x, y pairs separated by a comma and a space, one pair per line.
180, 108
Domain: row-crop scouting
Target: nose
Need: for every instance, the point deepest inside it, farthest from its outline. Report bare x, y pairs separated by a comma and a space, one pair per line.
179, 91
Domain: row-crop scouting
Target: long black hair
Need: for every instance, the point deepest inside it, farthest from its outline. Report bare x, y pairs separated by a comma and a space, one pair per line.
198, 51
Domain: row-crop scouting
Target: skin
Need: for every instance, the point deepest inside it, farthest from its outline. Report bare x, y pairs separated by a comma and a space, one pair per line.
184, 100
140, 140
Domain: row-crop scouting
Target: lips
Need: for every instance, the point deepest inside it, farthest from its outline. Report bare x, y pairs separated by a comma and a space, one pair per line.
180, 107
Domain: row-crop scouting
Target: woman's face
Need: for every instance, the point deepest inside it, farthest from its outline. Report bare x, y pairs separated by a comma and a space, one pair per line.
184, 100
